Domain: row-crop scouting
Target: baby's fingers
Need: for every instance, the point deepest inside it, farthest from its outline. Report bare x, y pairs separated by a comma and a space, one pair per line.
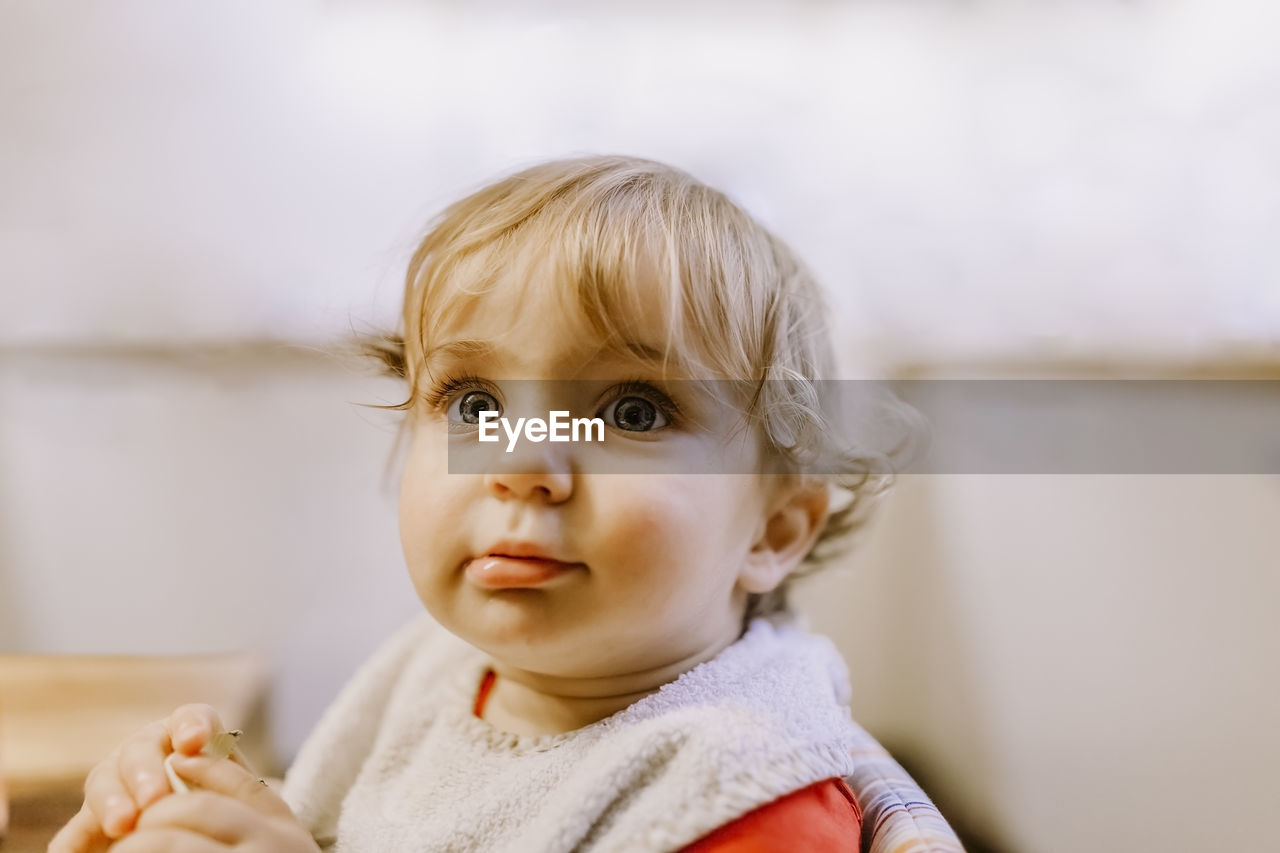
133, 777
108, 799
128, 780
140, 767
230, 779
168, 840
191, 726
229, 806
212, 815
82, 834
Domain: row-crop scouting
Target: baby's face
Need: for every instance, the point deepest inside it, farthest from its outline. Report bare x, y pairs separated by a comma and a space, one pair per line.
550, 560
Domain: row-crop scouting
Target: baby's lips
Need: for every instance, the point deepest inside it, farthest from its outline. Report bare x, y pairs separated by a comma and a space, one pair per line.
523, 550
501, 572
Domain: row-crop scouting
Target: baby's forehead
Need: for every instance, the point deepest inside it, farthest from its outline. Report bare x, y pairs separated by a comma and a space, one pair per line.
580, 356
492, 308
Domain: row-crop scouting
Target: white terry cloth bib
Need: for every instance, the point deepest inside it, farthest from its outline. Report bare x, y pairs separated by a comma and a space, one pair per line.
401, 763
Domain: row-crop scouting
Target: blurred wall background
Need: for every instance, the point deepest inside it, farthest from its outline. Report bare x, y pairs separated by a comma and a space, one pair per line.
198, 199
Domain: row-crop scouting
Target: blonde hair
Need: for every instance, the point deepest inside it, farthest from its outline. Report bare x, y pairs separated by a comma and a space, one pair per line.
737, 303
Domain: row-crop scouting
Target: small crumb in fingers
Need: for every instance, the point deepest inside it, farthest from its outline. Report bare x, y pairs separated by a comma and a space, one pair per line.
175, 781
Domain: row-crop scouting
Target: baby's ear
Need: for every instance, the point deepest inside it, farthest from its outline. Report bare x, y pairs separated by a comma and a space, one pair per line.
795, 516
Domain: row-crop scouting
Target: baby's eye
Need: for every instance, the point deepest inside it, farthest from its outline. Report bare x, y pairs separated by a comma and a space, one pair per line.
466, 408
461, 399
634, 414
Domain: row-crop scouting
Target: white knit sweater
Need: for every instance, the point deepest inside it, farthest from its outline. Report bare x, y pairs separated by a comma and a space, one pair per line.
399, 762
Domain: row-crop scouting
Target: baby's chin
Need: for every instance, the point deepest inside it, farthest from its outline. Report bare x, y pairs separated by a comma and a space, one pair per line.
529, 629
592, 658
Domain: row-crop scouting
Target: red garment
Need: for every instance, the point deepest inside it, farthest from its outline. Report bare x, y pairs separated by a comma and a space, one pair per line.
822, 818
482, 695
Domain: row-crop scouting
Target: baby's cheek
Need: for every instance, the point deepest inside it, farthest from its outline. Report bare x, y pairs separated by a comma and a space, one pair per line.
431, 519
649, 531
418, 514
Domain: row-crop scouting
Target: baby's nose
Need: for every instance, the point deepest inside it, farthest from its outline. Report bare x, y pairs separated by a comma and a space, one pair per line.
535, 472
548, 487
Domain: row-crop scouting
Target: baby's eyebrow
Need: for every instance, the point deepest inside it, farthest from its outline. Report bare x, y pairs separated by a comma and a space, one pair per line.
461, 349
640, 351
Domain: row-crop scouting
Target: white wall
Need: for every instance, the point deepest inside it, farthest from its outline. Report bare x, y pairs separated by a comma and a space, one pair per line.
185, 183
964, 175
1077, 662
200, 502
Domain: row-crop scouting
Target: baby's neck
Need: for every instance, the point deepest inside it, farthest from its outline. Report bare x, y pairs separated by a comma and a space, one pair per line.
525, 704
515, 708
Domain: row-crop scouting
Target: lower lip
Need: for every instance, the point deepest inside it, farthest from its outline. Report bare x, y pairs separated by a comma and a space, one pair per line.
515, 572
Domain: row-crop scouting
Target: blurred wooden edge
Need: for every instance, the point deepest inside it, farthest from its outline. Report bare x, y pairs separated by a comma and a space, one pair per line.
62, 714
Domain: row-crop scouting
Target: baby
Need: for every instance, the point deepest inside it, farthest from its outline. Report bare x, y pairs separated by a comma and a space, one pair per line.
608, 661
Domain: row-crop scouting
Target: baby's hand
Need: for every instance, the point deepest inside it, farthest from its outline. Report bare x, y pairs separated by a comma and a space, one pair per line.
132, 777
229, 808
